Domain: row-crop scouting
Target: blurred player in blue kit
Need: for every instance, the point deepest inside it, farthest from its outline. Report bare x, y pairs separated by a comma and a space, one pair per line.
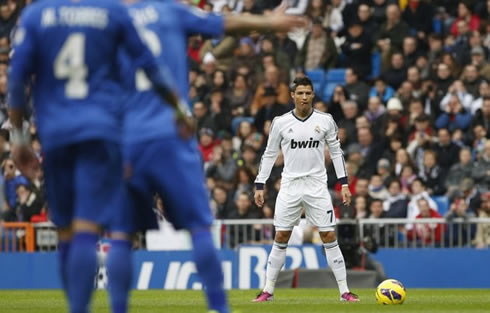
69, 48
158, 159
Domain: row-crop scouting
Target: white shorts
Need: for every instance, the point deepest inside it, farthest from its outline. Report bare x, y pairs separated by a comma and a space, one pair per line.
308, 193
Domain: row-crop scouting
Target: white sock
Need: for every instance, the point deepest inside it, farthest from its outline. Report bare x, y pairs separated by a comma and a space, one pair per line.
335, 260
277, 257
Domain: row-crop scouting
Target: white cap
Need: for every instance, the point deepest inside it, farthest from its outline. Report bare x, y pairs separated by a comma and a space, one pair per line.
208, 58
394, 104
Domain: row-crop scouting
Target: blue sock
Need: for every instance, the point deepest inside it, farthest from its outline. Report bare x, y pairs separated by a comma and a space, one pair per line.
209, 268
119, 271
63, 250
82, 266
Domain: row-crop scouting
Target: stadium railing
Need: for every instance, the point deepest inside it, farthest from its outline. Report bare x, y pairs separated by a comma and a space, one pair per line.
385, 232
17, 237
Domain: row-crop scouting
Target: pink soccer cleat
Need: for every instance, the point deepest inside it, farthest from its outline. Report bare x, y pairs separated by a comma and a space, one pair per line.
263, 297
349, 297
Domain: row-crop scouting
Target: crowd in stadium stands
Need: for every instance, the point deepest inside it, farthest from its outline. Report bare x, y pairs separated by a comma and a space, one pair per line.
406, 81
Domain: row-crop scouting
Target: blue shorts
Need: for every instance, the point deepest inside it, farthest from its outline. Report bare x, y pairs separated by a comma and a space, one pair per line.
84, 181
173, 169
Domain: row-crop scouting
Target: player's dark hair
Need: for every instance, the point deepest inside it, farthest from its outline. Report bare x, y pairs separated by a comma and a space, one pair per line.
301, 81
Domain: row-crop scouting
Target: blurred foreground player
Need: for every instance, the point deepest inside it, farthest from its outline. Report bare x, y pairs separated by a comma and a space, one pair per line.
162, 159
303, 134
70, 47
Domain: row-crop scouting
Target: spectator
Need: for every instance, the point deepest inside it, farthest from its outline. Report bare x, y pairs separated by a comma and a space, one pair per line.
455, 117
478, 60
369, 26
395, 205
483, 92
29, 203
358, 90
360, 207
272, 81
458, 90
431, 174
447, 151
280, 57
472, 80
270, 110
419, 15
427, 233
239, 96
339, 97
220, 110
410, 50
376, 188
370, 150
418, 192
319, 51
383, 171
376, 114
397, 73
392, 32
407, 177
350, 113
482, 116
333, 18
459, 234
244, 208
283, 43
204, 119
12, 181
207, 143
458, 172
383, 91
482, 237
420, 139
357, 49
465, 14
481, 171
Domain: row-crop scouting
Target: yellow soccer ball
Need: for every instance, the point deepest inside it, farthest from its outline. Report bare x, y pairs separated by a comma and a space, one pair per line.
391, 291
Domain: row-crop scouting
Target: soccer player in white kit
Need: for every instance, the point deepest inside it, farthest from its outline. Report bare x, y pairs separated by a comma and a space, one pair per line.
302, 134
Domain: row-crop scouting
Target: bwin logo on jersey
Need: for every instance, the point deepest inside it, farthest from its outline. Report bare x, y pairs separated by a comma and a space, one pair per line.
305, 144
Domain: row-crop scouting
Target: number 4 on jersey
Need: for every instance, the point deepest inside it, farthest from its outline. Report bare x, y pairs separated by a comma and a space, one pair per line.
70, 65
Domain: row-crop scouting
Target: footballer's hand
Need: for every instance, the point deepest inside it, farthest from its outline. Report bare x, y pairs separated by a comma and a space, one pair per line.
186, 123
284, 23
346, 195
259, 198
186, 126
26, 161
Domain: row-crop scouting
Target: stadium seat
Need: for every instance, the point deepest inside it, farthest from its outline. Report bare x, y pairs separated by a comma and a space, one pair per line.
375, 65
442, 204
317, 77
336, 75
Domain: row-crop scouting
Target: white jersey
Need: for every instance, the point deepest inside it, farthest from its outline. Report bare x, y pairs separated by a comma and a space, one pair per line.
303, 145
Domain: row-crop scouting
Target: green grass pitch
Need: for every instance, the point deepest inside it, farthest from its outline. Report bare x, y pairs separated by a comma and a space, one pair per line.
287, 301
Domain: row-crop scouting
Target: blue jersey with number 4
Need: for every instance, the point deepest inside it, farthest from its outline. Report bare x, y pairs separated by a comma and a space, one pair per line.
165, 27
70, 49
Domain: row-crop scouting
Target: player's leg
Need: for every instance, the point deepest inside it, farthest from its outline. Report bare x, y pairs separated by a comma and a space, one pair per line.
287, 215
275, 262
320, 212
58, 174
135, 212
179, 179
99, 185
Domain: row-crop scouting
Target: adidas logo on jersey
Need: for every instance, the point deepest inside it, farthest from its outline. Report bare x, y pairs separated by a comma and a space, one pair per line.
305, 144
